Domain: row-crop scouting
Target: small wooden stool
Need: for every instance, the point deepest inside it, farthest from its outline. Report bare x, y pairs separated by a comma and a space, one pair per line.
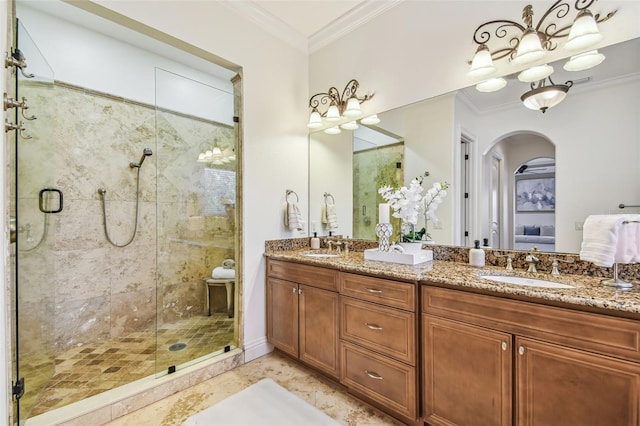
213, 282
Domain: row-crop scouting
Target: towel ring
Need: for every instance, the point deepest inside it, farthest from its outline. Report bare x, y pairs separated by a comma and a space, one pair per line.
327, 195
289, 192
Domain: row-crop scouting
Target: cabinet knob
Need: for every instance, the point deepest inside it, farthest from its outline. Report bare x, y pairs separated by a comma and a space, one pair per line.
373, 326
521, 350
373, 375
300, 291
374, 290
295, 290
504, 346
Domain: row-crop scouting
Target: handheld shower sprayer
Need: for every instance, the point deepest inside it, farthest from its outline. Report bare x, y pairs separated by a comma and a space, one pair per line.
145, 153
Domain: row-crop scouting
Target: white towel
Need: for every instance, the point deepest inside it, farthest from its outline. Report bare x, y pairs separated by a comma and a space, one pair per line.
600, 239
293, 218
329, 216
628, 247
222, 273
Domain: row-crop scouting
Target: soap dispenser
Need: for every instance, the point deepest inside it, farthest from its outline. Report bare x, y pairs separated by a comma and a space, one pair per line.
315, 242
476, 255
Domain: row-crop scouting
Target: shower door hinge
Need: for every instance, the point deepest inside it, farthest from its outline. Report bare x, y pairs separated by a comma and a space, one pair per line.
17, 388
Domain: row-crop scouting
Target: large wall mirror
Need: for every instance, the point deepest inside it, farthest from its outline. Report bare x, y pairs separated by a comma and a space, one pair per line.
531, 179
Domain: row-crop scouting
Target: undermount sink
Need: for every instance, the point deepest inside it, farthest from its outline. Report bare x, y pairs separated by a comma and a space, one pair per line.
318, 254
529, 282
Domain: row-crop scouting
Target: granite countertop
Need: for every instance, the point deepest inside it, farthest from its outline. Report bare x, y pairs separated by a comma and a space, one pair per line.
588, 292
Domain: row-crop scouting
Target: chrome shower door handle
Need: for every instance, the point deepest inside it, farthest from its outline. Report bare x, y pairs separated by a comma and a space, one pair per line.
42, 205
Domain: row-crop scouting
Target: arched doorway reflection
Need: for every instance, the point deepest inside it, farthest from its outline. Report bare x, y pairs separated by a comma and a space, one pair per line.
525, 162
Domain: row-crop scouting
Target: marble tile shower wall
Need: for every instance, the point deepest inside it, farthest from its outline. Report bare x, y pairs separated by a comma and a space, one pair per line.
77, 288
381, 163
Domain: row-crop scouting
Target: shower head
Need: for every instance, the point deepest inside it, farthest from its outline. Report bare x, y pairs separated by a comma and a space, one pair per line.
145, 153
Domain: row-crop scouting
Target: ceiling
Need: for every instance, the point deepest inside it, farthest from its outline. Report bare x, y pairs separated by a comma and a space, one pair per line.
307, 17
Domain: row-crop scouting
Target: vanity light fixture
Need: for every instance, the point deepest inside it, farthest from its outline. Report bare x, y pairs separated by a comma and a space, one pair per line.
584, 61
528, 44
370, 120
215, 156
545, 95
491, 85
338, 106
350, 125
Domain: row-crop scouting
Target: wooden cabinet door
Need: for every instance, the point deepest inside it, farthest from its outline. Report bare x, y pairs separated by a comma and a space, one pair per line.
467, 374
556, 385
282, 315
319, 329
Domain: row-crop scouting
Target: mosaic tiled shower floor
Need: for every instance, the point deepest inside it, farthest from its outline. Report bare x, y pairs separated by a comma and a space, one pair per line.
91, 369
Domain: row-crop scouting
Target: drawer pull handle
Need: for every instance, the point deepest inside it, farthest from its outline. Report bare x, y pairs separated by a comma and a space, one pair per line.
373, 326
374, 290
521, 350
373, 375
504, 346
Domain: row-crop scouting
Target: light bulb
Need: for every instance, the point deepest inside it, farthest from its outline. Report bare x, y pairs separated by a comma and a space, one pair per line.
332, 113
584, 32
529, 49
353, 108
315, 120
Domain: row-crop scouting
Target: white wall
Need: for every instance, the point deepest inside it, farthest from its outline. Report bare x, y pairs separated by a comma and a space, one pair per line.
330, 170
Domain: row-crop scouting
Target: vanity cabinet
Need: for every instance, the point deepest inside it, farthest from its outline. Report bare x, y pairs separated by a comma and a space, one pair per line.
378, 342
485, 358
302, 313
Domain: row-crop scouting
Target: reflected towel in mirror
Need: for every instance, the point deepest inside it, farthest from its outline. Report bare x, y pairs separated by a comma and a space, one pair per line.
600, 239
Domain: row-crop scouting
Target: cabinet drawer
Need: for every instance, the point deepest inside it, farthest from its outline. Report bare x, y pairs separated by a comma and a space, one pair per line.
389, 331
388, 382
583, 330
386, 292
303, 274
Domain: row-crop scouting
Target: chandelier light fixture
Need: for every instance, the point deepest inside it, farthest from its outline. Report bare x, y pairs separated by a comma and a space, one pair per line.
528, 45
337, 109
543, 95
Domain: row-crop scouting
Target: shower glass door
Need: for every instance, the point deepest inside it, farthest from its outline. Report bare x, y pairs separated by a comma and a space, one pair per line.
196, 231
34, 200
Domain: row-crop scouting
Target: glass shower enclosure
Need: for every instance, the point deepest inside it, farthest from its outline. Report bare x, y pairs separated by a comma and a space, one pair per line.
124, 207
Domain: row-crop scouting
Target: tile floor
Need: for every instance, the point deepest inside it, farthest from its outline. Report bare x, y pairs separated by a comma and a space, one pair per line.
301, 381
56, 380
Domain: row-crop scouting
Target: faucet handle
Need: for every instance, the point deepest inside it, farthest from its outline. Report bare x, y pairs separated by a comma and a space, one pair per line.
555, 262
509, 266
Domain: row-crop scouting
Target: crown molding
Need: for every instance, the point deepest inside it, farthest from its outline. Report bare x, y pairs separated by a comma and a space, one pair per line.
269, 23
348, 22
339, 27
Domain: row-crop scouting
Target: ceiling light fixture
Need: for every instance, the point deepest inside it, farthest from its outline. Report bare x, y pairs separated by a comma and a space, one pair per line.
338, 106
545, 95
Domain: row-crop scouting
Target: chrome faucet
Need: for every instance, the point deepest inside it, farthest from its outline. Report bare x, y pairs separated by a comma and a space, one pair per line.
532, 260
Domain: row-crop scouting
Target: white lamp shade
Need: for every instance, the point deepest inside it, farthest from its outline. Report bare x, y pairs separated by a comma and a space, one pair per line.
217, 152
491, 85
202, 158
333, 114
315, 120
536, 73
529, 49
372, 119
482, 63
545, 97
584, 61
584, 32
353, 108
351, 125
333, 130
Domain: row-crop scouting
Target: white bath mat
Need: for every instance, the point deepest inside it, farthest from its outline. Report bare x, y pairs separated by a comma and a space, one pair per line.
263, 404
